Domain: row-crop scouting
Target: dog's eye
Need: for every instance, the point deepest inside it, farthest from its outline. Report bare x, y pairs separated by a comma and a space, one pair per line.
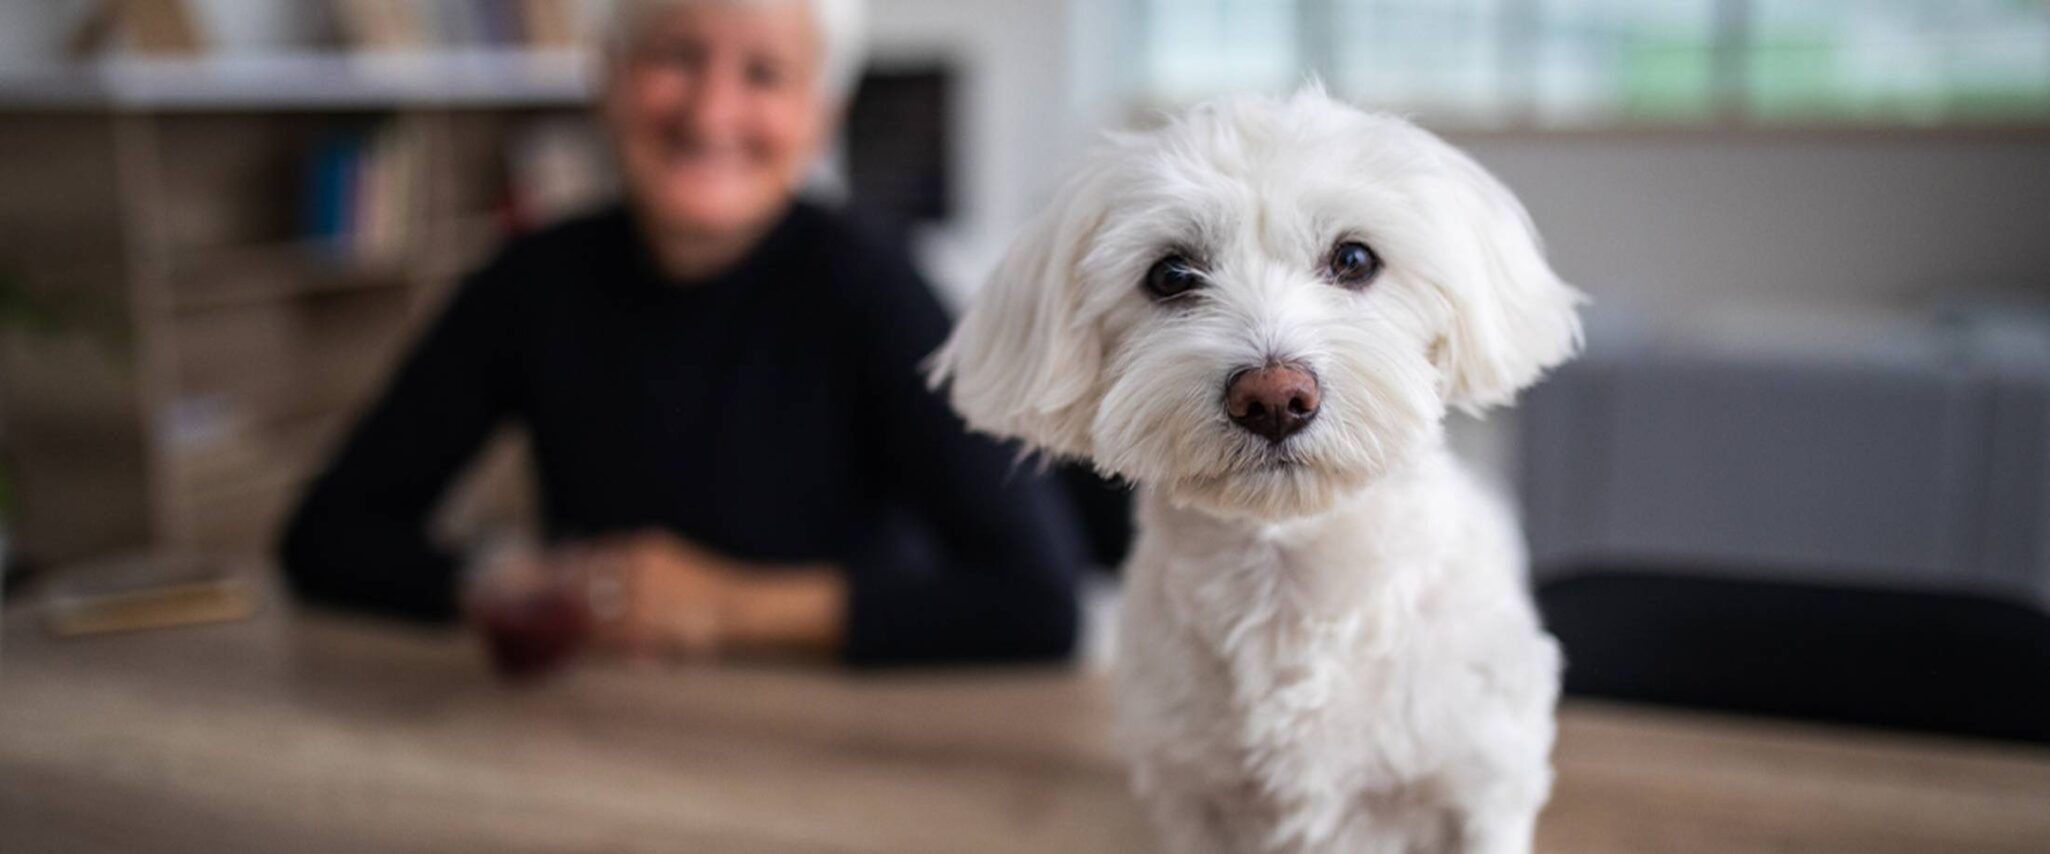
1353, 265
1171, 277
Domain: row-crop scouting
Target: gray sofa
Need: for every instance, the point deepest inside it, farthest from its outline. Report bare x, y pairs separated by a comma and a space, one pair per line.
1908, 454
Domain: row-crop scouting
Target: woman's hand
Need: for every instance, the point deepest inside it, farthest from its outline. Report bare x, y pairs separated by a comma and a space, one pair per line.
653, 594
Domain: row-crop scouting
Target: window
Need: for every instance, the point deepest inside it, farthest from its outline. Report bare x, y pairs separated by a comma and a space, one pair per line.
1895, 60
1197, 48
1566, 63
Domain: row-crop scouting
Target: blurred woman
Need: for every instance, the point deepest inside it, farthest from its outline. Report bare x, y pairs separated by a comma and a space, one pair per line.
736, 451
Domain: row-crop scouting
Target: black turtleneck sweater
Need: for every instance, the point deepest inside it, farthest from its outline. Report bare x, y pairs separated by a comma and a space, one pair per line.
776, 413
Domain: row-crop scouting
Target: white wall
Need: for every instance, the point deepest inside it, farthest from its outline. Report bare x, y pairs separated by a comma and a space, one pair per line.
1677, 222
1018, 127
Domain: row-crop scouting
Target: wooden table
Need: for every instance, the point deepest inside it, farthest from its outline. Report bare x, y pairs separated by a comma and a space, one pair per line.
300, 733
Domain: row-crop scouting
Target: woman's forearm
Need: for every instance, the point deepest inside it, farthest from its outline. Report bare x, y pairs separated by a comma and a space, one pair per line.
798, 611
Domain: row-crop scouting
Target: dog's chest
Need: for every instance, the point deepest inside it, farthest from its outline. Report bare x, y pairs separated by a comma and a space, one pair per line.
1307, 683
1298, 669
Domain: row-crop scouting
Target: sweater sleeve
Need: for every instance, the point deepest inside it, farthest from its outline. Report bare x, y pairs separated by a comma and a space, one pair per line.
358, 539
1003, 585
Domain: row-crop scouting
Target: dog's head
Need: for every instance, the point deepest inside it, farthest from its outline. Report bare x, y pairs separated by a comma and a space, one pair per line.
1261, 306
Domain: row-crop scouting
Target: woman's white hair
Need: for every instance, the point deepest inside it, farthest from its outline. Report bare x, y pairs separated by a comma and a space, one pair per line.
839, 24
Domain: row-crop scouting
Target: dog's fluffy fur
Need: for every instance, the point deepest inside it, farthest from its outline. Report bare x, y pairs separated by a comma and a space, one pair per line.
1326, 643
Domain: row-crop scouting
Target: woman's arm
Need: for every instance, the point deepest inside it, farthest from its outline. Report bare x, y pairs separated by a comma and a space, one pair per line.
1004, 585
359, 538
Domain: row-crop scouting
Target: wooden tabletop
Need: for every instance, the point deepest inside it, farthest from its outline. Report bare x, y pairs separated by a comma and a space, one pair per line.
307, 733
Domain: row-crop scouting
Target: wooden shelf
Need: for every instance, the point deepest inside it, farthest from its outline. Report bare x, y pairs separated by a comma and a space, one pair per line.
475, 78
214, 279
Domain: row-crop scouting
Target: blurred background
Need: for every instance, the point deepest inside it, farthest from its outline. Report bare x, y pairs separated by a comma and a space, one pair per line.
1803, 470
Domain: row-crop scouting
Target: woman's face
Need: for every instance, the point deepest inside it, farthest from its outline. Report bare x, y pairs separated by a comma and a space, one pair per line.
717, 110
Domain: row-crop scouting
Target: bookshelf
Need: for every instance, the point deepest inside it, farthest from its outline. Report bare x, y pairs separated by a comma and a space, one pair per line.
214, 347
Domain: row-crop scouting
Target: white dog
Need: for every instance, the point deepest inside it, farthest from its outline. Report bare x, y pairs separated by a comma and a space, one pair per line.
1260, 314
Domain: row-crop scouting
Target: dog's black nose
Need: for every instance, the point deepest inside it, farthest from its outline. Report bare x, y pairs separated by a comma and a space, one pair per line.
1274, 401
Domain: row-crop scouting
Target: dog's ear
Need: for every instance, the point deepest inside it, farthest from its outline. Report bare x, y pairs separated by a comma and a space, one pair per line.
1023, 362
1512, 318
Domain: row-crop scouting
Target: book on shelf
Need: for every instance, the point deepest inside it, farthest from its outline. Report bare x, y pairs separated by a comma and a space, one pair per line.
149, 27
552, 24
390, 187
456, 22
331, 186
381, 24
363, 189
538, 24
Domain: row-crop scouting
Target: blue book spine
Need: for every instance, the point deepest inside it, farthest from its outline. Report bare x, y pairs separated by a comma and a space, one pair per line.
332, 200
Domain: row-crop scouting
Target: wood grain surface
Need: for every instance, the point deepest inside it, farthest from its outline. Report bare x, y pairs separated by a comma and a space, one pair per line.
315, 733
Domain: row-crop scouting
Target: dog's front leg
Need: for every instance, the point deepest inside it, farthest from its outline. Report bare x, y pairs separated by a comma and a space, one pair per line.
1501, 835
1500, 828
